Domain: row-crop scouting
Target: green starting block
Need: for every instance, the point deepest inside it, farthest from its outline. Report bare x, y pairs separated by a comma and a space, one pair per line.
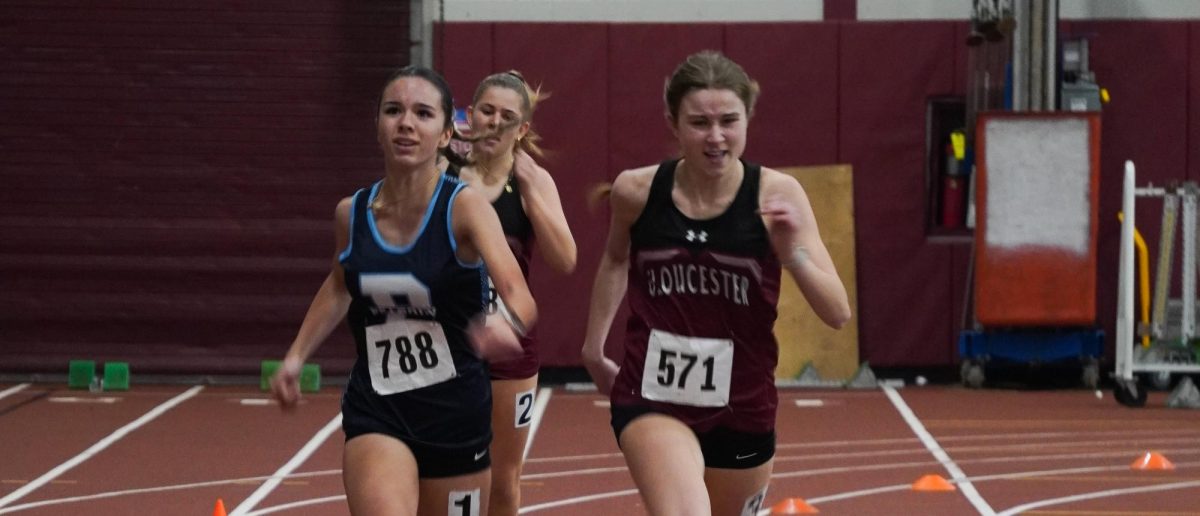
116, 376
81, 373
268, 370
310, 376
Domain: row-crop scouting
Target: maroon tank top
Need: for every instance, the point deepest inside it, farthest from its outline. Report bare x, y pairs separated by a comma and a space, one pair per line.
699, 343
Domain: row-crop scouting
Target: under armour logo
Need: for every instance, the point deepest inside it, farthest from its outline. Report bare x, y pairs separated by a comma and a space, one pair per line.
693, 236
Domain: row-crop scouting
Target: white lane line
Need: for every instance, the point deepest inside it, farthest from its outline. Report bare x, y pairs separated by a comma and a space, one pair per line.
1100, 494
297, 505
298, 459
1022, 436
575, 500
835, 497
539, 408
100, 446
1014, 475
956, 474
568, 458
258, 402
571, 473
803, 403
993, 460
1157, 443
13, 390
159, 489
108, 400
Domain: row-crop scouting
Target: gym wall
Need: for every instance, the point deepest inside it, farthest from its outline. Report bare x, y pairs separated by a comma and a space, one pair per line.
833, 92
170, 171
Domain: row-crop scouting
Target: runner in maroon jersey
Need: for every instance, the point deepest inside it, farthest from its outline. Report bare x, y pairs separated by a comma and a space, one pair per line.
526, 199
698, 242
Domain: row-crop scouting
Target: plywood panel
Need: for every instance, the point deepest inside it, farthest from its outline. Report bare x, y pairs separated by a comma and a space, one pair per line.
801, 334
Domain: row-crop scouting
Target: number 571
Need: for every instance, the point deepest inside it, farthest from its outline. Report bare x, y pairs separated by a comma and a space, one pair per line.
667, 361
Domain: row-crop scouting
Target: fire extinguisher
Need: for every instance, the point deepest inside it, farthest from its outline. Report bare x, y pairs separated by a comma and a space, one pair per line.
954, 183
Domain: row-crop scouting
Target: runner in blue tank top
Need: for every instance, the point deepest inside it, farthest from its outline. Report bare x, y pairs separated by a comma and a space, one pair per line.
526, 199
410, 277
698, 244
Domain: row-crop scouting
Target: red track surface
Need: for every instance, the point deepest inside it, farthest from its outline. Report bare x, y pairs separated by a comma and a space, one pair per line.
844, 451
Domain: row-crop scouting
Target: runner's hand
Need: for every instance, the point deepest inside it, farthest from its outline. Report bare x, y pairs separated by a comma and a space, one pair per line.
285, 385
779, 213
602, 370
524, 167
494, 339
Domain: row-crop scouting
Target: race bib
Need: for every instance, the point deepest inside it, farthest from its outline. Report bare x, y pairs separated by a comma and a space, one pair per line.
408, 354
687, 370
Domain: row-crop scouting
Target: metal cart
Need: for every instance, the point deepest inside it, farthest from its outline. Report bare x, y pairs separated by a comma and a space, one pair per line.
1166, 343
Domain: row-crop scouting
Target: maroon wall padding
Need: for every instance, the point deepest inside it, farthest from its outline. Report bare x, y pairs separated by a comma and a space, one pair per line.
171, 171
961, 58
840, 9
961, 261
887, 71
1193, 101
1144, 65
796, 123
641, 57
463, 54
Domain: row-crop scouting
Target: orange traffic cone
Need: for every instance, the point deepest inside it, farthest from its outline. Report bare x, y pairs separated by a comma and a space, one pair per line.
932, 482
1152, 461
219, 509
793, 506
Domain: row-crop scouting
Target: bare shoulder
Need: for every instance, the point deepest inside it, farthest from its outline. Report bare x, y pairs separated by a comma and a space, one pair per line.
468, 200
629, 192
342, 212
633, 185
775, 183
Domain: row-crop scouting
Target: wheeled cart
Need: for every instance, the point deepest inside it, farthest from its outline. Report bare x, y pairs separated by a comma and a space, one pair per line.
1082, 346
1166, 342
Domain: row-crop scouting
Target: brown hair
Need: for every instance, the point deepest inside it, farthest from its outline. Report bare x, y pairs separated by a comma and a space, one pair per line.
704, 70
530, 97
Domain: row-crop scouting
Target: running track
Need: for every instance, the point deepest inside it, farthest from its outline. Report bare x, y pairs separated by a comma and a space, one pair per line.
167, 449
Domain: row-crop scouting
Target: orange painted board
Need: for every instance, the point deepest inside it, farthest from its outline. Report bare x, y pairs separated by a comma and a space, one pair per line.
1036, 219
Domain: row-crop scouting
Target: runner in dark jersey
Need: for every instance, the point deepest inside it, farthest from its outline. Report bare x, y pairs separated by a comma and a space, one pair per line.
414, 253
697, 243
526, 200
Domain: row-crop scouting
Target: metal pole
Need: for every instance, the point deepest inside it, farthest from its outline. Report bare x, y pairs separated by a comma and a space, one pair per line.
1050, 73
1124, 340
1037, 55
1020, 56
1188, 268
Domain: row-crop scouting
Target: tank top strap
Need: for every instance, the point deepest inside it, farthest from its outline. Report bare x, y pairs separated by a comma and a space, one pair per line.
747, 196
658, 200
663, 182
